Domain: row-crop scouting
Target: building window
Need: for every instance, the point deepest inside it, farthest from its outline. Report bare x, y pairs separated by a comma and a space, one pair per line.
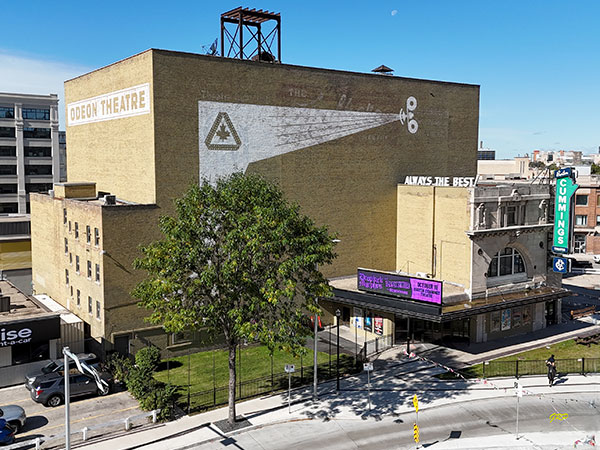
36, 114
182, 337
97, 310
581, 200
506, 262
89, 305
8, 170
76, 230
69, 226
77, 264
38, 152
66, 246
38, 169
78, 297
597, 220
511, 216
71, 259
88, 234
7, 112
8, 150
67, 276
64, 216
579, 243
96, 237
97, 273
7, 132
36, 133
581, 220
89, 269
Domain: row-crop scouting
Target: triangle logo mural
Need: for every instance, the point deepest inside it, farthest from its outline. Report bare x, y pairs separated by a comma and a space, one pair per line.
222, 134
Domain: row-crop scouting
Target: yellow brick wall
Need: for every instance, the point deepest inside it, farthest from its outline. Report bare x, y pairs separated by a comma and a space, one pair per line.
15, 254
347, 183
117, 154
429, 216
125, 229
50, 260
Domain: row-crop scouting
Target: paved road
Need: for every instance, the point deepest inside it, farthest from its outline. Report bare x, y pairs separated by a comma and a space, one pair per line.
85, 412
472, 419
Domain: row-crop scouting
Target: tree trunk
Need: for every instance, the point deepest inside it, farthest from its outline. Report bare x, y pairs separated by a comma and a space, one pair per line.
232, 377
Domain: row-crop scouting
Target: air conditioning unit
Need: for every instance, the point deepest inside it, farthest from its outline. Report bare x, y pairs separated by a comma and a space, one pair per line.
110, 199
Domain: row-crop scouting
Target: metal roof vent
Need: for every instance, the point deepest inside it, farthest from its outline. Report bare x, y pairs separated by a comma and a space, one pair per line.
4, 304
383, 70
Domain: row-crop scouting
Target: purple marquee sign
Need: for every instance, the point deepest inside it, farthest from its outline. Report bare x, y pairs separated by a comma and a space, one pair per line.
400, 286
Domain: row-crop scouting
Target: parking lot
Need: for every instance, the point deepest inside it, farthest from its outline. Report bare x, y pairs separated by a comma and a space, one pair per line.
85, 412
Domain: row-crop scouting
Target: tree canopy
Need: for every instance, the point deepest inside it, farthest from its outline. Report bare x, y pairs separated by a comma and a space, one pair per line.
237, 259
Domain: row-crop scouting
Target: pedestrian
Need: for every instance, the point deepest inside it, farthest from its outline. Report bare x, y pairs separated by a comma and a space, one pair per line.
551, 364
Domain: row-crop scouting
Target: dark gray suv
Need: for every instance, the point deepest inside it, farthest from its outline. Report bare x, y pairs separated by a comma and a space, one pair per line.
31, 379
50, 389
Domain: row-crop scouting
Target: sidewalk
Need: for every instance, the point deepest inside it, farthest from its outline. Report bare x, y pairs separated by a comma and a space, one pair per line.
393, 387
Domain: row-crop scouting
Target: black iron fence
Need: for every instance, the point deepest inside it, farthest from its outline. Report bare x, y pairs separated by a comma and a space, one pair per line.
200, 400
521, 368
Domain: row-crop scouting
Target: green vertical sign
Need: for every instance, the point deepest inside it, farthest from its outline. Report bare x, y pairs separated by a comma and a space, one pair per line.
565, 188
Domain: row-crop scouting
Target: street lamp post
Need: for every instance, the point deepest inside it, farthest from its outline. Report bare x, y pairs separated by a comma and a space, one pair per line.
315, 396
337, 366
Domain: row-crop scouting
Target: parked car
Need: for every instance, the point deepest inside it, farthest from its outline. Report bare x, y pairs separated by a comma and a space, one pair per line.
50, 389
56, 366
580, 264
14, 415
596, 259
7, 433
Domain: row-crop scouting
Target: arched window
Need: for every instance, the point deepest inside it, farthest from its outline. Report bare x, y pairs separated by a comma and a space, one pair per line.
506, 262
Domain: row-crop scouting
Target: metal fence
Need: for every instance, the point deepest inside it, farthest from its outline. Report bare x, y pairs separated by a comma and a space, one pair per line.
202, 375
521, 368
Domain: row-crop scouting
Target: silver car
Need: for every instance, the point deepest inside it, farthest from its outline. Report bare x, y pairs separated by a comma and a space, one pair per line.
14, 415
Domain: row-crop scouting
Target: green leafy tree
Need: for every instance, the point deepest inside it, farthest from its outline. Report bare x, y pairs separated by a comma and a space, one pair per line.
595, 169
237, 260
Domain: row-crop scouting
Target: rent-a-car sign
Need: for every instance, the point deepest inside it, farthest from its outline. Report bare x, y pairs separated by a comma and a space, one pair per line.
29, 331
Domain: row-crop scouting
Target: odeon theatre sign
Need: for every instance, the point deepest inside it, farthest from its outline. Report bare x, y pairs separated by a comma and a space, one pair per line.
563, 210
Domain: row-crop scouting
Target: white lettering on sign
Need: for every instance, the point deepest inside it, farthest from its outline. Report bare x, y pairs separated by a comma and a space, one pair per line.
440, 181
129, 102
12, 337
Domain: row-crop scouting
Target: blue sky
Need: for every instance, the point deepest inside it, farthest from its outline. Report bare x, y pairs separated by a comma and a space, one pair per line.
537, 62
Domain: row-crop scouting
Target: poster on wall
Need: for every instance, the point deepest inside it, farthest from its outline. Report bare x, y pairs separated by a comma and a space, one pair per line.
379, 326
516, 317
358, 317
369, 321
526, 315
495, 321
506, 320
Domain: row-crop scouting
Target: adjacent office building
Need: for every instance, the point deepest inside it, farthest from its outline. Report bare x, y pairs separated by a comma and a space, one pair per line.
29, 148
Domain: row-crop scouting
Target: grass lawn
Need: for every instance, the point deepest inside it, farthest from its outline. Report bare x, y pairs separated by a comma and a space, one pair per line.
255, 363
561, 350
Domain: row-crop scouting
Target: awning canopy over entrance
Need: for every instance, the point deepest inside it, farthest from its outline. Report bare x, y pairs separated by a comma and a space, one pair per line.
346, 292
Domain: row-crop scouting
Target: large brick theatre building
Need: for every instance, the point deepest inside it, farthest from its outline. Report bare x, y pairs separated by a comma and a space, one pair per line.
139, 131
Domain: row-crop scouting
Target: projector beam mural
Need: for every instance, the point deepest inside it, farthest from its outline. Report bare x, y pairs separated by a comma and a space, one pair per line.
233, 135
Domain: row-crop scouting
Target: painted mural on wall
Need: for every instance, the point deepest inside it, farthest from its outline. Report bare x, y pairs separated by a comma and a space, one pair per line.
234, 135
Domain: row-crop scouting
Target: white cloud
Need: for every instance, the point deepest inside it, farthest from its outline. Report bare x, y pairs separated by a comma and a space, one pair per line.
29, 75
394, 12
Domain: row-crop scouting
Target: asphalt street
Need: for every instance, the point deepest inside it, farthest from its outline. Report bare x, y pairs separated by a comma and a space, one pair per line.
471, 419
85, 412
